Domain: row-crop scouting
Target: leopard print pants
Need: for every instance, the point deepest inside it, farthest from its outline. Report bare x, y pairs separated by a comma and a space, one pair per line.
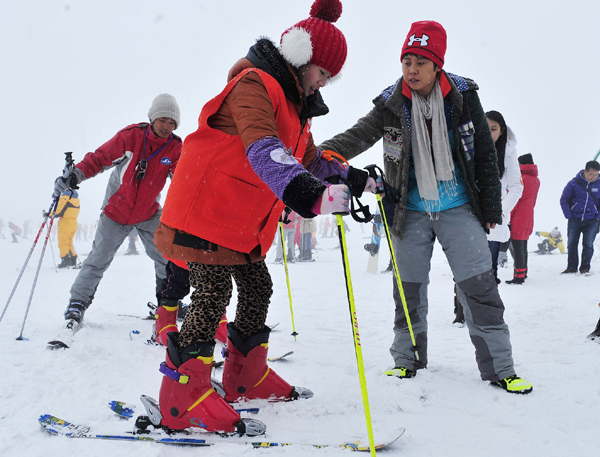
213, 288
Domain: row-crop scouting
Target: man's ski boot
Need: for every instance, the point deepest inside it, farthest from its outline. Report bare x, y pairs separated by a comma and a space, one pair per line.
76, 310
166, 320
246, 375
73, 260
187, 398
65, 261
595, 335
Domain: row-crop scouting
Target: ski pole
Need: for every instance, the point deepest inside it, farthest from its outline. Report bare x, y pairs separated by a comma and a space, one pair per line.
53, 259
37, 273
54, 202
287, 275
373, 169
353, 316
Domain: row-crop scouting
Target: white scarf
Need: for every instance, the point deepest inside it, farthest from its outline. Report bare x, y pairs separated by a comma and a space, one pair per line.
431, 167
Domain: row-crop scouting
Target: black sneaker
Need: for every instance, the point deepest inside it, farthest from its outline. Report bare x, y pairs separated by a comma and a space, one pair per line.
76, 310
567, 271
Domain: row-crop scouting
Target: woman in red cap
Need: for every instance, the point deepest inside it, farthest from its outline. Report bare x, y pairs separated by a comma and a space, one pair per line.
439, 154
252, 155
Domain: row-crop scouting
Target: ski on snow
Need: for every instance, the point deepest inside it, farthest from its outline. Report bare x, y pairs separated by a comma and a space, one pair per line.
57, 426
65, 338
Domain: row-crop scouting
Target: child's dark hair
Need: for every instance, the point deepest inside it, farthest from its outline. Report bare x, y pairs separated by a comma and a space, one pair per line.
502, 139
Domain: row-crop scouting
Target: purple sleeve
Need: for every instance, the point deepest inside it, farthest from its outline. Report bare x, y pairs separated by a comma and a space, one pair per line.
322, 168
273, 164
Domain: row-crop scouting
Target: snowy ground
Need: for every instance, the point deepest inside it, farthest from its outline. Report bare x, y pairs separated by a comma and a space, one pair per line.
447, 410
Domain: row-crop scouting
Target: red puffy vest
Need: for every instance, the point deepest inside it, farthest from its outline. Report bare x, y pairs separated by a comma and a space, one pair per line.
215, 194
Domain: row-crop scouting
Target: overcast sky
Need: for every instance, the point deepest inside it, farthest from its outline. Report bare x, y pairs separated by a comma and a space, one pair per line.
75, 72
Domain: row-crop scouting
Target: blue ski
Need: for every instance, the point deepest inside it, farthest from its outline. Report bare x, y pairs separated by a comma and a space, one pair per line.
57, 426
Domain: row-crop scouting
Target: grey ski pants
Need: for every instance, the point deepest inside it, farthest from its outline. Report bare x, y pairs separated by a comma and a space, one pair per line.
109, 237
465, 244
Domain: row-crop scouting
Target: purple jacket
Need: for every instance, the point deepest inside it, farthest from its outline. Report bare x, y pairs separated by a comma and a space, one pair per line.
576, 201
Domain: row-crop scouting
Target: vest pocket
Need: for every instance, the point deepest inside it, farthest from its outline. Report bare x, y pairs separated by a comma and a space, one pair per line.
232, 203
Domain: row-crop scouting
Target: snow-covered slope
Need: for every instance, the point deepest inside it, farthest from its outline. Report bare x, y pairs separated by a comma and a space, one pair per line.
447, 410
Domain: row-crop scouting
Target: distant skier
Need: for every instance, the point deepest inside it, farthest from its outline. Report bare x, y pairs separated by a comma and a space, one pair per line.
522, 218
580, 205
553, 241
67, 212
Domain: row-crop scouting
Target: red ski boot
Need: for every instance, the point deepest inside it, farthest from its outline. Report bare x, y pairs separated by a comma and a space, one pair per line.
166, 320
246, 375
187, 398
221, 335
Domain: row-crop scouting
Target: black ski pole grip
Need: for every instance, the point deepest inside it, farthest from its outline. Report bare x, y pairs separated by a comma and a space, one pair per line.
68, 165
375, 172
355, 213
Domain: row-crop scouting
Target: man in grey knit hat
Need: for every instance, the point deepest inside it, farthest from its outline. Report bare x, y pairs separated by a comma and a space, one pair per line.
142, 156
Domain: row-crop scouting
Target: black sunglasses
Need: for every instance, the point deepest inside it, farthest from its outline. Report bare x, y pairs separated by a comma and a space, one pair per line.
142, 167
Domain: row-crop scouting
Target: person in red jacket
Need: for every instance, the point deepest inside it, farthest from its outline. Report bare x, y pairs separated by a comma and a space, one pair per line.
142, 156
252, 155
521, 218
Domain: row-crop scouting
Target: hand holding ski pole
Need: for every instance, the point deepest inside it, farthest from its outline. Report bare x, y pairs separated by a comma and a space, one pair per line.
70, 177
335, 199
377, 174
375, 185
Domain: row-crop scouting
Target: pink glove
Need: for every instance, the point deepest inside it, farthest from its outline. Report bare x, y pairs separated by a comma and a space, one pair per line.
375, 187
335, 199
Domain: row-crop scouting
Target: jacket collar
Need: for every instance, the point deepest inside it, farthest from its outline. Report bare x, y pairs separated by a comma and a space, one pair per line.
444, 85
153, 137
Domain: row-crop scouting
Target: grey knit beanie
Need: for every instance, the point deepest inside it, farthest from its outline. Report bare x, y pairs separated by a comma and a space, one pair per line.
164, 105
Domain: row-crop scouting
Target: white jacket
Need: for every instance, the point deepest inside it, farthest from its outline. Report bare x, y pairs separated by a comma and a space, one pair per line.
512, 188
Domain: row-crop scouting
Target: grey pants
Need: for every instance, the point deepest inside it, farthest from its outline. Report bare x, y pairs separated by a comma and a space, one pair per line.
465, 244
288, 234
109, 237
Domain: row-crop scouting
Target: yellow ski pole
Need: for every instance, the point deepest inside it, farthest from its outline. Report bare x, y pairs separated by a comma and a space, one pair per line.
287, 278
354, 321
373, 174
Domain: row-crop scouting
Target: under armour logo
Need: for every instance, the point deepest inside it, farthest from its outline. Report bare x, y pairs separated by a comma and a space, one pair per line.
422, 40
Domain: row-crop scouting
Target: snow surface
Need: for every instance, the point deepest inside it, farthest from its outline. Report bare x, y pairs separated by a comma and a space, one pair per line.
447, 410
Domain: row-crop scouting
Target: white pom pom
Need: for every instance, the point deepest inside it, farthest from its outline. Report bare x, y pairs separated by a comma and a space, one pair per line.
296, 47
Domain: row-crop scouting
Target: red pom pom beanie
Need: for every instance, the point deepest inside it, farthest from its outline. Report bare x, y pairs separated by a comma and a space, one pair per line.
316, 40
